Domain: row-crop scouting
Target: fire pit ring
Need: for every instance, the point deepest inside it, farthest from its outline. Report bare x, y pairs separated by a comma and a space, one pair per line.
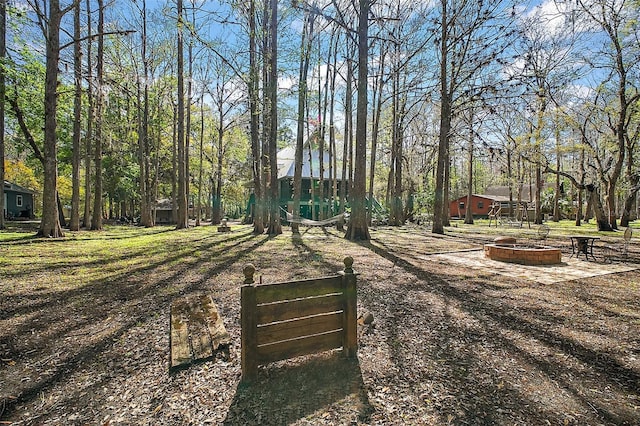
523, 254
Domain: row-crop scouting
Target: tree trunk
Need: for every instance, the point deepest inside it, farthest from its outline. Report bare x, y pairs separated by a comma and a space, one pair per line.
50, 225
275, 228
146, 186
630, 199
3, 54
74, 222
601, 218
258, 224
348, 125
174, 165
333, 157
89, 135
183, 214
468, 217
395, 179
445, 127
579, 214
556, 198
358, 229
200, 162
377, 100
217, 198
302, 98
96, 219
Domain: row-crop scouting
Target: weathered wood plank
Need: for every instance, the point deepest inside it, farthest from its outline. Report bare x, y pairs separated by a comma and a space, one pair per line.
213, 320
282, 311
200, 341
298, 289
298, 347
179, 336
197, 330
299, 327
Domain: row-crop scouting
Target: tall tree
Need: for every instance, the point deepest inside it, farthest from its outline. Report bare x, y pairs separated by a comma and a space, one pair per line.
96, 218
253, 92
183, 214
144, 143
3, 54
74, 222
473, 37
274, 227
89, 130
305, 53
357, 228
620, 55
445, 123
50, 224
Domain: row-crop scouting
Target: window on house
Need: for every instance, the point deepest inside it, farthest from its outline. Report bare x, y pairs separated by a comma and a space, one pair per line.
480, 204
461, 206
18, 200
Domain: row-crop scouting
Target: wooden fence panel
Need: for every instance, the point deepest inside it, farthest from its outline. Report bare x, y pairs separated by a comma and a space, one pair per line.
290, 319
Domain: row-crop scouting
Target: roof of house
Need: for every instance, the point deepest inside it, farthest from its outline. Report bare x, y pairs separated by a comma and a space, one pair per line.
8, 186
485, 196
527, 192
287, 163
164, 204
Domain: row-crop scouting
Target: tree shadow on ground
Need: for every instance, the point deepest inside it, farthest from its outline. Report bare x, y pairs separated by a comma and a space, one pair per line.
283, 394
104, 311
479, 320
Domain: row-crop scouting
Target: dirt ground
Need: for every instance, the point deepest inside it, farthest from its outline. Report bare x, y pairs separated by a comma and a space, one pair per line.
448, 345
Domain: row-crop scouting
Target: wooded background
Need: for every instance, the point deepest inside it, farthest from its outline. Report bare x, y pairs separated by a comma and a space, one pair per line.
108, 106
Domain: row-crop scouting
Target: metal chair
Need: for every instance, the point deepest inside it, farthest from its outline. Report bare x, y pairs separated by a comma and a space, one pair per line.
541, 233
621, 249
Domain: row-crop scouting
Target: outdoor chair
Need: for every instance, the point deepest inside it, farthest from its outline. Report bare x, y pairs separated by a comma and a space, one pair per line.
541, 233
620, 250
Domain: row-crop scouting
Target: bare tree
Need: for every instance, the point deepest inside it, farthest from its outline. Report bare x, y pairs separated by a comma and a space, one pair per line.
621, 56
305, 53
357, 228
253, 92
274, 227
144, 144
473, 37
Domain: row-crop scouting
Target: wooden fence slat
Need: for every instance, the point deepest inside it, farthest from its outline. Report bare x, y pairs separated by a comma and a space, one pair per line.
299, 327
298, 347
298, 289
290, 309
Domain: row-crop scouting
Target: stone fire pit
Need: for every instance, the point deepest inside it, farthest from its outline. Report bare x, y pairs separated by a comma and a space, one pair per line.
522, 254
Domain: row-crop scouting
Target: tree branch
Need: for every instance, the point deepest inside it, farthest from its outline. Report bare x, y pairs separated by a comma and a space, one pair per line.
93, 36
23, 127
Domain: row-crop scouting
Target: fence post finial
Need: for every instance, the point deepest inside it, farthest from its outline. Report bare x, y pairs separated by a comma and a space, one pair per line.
248, 272
348, 265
